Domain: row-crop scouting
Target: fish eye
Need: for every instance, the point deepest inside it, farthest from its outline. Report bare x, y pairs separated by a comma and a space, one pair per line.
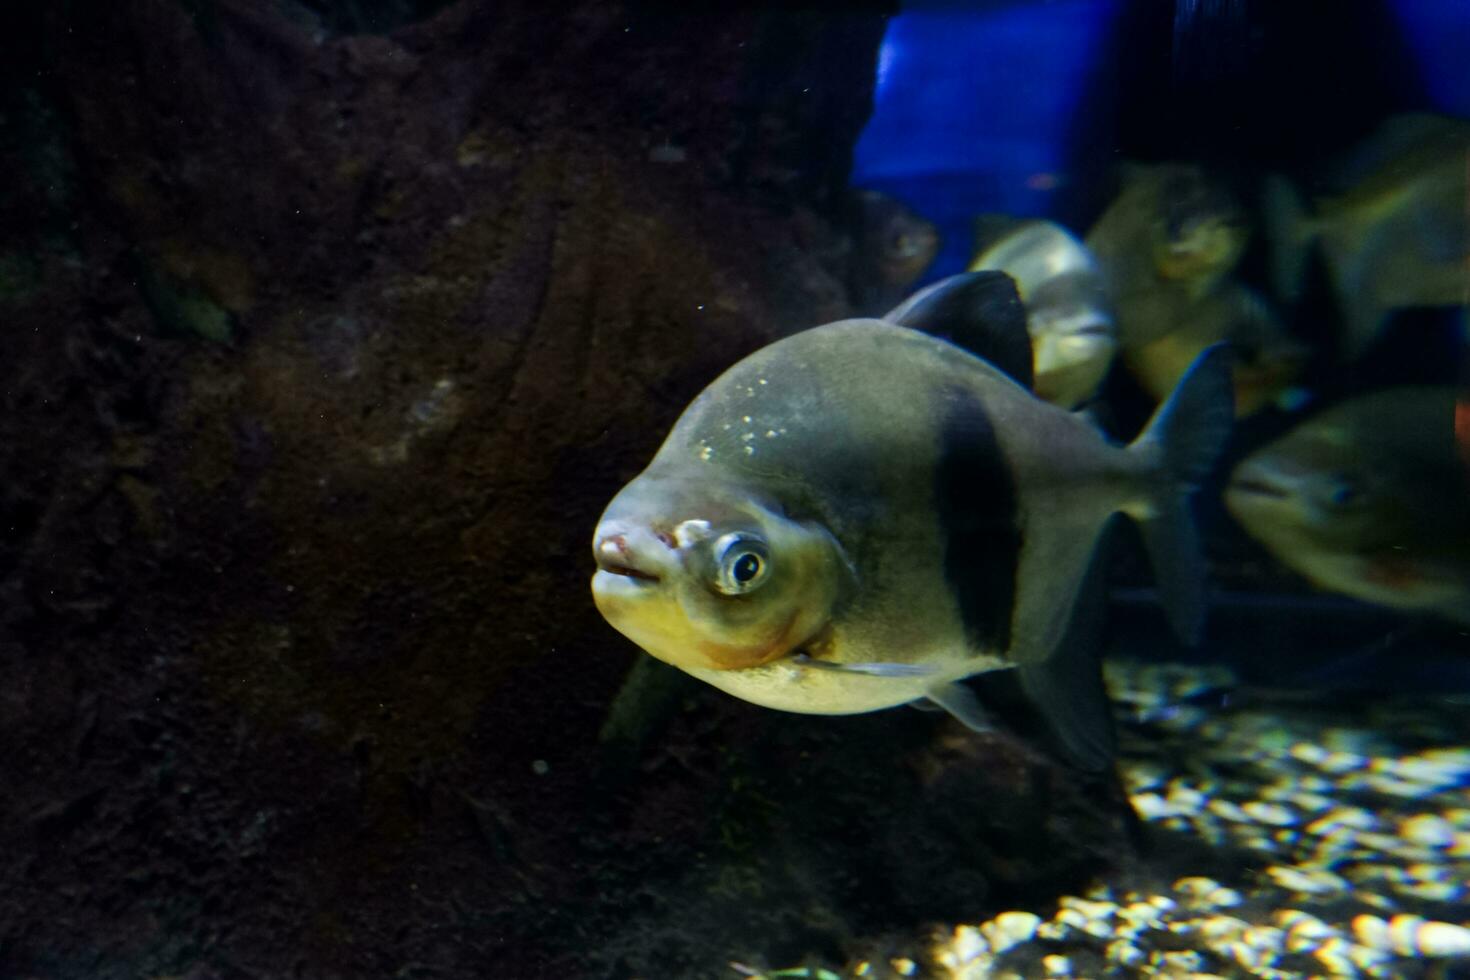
744, 563
1342, 493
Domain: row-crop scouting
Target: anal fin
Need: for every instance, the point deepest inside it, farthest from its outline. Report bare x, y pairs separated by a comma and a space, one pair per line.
1067, 685
957, 699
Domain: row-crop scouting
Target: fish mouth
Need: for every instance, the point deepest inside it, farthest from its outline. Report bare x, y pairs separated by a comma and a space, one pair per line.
1259, 487
628, 571
621, 558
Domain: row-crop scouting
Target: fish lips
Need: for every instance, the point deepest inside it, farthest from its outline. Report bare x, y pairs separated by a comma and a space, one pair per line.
1259, 494
628, 557
1260, 480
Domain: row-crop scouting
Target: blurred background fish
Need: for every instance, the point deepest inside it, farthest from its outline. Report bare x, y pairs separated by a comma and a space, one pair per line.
1172, 227
1368, 498
892, 246
1391, 223
1267, 357
1073, 337
1169, 246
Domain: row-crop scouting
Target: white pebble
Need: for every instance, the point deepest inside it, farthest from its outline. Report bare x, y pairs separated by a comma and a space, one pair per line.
1224, 897
1304, 931
1010, 928
1093, 910
1072, 918
1390, 785
1185, 799
1344, 816
1384, 843
1196, 885
1189, 961
1056, 965
1442, 939
1429, 830
1456, 759
1220, 929
1264, 937
1124, 953
1434, 891
1270, 813
1315, 881
1152, 806
1229, 811
1249, 956
1333, 954
1307, 752
968, 944
1141, 915
1410, 935
1430, 771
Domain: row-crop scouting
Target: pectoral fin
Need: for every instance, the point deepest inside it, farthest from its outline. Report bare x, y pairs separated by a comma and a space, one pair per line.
875, 669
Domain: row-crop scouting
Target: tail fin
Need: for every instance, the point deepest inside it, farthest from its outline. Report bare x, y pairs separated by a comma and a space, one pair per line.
1290, 232
1187, 434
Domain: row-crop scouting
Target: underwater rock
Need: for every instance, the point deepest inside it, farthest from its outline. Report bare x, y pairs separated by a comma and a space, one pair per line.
819, 830
343, 588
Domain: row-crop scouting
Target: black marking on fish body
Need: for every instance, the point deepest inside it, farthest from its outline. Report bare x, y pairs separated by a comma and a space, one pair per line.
979, 517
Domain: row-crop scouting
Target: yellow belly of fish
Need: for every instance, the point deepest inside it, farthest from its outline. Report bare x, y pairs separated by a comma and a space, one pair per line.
788, 686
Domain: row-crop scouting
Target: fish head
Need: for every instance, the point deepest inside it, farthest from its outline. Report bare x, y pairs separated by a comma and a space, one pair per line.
709, 576
1310, 490
1200, 229
899, 243
1074, 341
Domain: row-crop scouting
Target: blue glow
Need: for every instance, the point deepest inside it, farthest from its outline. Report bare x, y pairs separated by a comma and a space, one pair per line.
1439, 33
972, 110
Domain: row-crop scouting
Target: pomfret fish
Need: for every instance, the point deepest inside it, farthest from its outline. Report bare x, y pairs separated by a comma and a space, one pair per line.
1067, 315
1174, 229
1394, 236
1167, 247
1368, 498
861, 514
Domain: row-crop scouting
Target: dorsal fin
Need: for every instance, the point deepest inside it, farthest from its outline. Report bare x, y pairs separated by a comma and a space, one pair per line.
978, 311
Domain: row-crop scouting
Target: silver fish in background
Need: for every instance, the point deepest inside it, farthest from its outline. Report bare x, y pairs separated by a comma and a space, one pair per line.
892, 246
1395, 233
1369, 498
1072, 334
862, 514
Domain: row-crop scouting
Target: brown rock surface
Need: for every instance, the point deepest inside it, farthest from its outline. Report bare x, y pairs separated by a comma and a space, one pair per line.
322, 353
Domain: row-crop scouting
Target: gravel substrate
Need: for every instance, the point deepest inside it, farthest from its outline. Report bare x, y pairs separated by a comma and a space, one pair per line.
1351, 823
1337, 833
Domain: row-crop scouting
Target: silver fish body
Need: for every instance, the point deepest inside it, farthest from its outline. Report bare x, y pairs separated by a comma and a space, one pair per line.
1067, 312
